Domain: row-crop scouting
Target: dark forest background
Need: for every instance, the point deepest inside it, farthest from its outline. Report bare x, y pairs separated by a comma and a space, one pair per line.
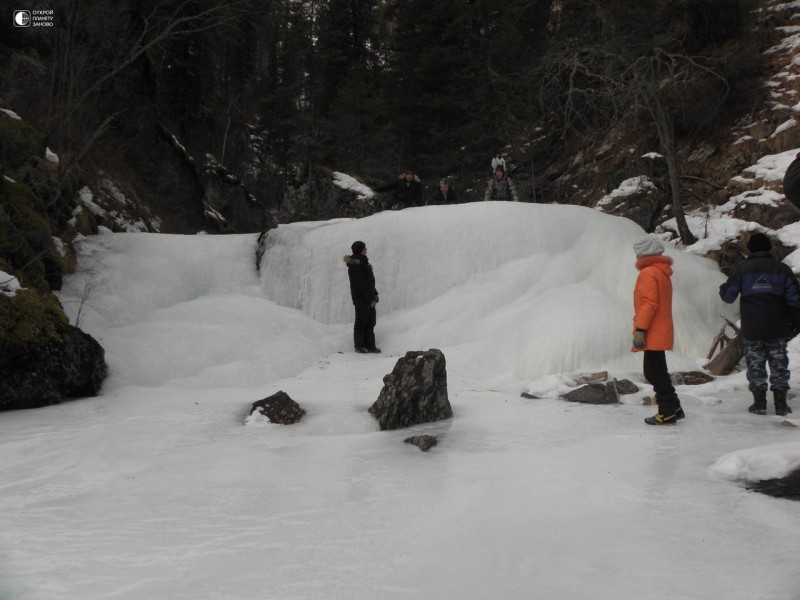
264, 94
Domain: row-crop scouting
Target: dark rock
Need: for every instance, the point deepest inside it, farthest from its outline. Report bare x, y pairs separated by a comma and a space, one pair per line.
626, 386
72, 368
592, 378
785, 487
423, 442
602, 393
414, 392
612, 392
528, 396
85, 367
225, 203
771, 217
643, 207
592, 393
315, 196
279, 408
691, 378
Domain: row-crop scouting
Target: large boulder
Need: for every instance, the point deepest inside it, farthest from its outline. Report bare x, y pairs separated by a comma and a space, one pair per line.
414, 392
72, 367
591, 393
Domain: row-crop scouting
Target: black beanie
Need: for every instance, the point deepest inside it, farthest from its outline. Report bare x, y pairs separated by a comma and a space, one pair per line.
358, 247
759, 242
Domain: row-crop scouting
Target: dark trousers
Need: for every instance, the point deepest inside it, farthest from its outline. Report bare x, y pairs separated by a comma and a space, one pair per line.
655, 371
364, 328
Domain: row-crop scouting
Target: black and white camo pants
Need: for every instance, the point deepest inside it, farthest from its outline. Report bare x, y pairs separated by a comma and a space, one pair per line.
759, 353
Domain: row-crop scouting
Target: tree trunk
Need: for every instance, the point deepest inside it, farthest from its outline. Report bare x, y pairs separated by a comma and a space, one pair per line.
727, 359
667, 142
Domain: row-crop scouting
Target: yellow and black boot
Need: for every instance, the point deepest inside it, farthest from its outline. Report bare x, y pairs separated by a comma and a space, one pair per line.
669, 412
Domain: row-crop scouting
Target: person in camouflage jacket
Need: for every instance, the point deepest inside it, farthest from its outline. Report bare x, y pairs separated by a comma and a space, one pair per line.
501, 187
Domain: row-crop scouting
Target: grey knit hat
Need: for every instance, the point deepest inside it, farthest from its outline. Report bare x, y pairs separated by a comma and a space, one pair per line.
649, 245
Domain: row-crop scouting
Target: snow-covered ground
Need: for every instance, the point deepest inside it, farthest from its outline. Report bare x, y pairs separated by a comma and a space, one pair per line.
162, 488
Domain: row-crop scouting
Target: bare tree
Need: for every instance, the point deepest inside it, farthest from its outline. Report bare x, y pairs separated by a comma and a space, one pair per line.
658, 78
593, 85
91, 283
93, 42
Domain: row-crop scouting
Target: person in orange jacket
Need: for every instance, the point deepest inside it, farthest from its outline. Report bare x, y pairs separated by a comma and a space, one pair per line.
653, 331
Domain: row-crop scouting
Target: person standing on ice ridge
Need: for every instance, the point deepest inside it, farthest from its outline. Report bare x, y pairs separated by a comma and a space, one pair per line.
500, 186
406, 191
770, 311
444, 194
653, 331
365, 297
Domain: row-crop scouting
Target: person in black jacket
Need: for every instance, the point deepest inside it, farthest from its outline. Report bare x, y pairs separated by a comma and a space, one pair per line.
791, 182
444, 194
406, 191
365, 297
770, 315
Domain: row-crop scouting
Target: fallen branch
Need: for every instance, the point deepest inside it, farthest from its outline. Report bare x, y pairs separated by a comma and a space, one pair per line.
730, 354
711, 183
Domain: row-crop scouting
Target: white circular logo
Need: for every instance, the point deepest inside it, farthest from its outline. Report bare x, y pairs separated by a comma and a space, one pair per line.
22, 18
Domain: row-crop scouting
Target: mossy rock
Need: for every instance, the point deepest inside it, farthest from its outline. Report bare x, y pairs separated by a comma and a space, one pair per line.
29, 320
74, 367
18, 142
26, 242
